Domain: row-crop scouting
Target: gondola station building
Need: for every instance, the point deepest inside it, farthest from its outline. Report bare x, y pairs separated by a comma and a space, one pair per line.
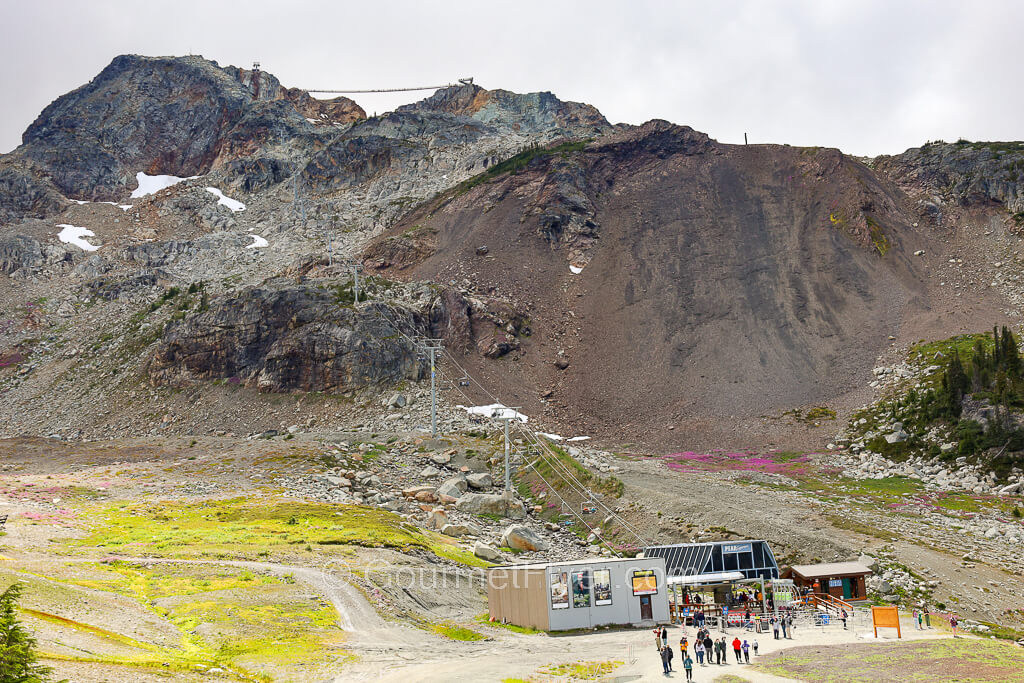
559, 596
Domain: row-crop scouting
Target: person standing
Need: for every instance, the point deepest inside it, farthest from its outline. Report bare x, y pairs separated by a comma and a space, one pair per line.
913, 615
720, 650
920, 620
709, 646
657, 639
746, 651
782, 623
953, 623
736, 646
789, 622
664, 660
842, 617
671, 655
688, 667
664, 636
775, 627
927, 617
755, 647
684, 645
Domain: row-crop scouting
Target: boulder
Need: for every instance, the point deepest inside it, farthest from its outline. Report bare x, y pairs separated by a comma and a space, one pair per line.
397, 401
486, 552
414, 491
426, 497
521, 537
491, 504
436, 520
453, 487
440, 458
480, 480
429, 472
898, 436
455, 530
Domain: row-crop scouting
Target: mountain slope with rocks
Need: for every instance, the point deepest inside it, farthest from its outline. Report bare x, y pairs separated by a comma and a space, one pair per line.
714, 282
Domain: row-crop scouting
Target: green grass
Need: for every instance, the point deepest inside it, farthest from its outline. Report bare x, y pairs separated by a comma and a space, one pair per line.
582, 671
859, 527
240, 528
456, 632
518, 163
945, 659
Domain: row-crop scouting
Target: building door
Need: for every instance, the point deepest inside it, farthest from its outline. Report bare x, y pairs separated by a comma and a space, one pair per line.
646, 611
847, 593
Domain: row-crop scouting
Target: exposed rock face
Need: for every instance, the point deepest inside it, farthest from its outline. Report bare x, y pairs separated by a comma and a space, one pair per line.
25, 192
288, 340
304, 338
693, 264
537, 111
19, 251
963, 173
179, 116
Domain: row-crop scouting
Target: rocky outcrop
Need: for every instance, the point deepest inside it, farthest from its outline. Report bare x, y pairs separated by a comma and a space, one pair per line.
963, 173
293, 339
179, 116
285, 337
532, 111
19, 251
24, 192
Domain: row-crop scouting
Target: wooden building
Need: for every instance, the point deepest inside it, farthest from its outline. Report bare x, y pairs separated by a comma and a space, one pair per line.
843, 580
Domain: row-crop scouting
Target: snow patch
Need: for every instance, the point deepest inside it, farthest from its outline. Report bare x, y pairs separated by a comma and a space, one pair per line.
576, 270
123, 207
232, 204
257, 242
73, 234
494, 410
151, 184
579, 438
550, 437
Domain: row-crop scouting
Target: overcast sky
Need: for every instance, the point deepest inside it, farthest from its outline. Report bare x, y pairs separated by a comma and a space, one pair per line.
867, 77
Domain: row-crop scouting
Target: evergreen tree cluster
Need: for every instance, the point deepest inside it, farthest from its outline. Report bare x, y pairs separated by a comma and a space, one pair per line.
996, 375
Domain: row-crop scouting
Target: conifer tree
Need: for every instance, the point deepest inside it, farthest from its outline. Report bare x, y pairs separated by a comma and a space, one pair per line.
17, 646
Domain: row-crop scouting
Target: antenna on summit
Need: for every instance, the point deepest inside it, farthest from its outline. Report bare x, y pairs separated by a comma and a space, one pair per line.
256, 80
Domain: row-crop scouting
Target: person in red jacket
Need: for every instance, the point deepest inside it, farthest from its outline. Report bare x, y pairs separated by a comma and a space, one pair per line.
736, 646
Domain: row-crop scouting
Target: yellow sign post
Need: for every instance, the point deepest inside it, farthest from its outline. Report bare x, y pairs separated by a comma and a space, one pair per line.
886, 617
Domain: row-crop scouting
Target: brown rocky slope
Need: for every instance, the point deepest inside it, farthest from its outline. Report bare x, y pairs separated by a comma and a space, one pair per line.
717, 284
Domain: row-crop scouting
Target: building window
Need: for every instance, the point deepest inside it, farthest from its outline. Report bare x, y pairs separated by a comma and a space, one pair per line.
581, 588
602, 587
559, 590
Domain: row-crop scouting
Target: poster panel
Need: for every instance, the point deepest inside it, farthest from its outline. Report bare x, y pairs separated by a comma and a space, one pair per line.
602, 587
559, 590
645, 582
581, 588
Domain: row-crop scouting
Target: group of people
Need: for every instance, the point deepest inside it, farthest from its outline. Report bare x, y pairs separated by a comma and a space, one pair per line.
784, 623
705, 649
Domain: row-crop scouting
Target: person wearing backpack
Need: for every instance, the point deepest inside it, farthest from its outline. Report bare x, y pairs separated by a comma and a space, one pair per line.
688, 667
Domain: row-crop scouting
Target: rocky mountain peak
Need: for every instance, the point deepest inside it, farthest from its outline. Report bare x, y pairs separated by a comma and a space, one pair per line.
163, 115
534, 111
